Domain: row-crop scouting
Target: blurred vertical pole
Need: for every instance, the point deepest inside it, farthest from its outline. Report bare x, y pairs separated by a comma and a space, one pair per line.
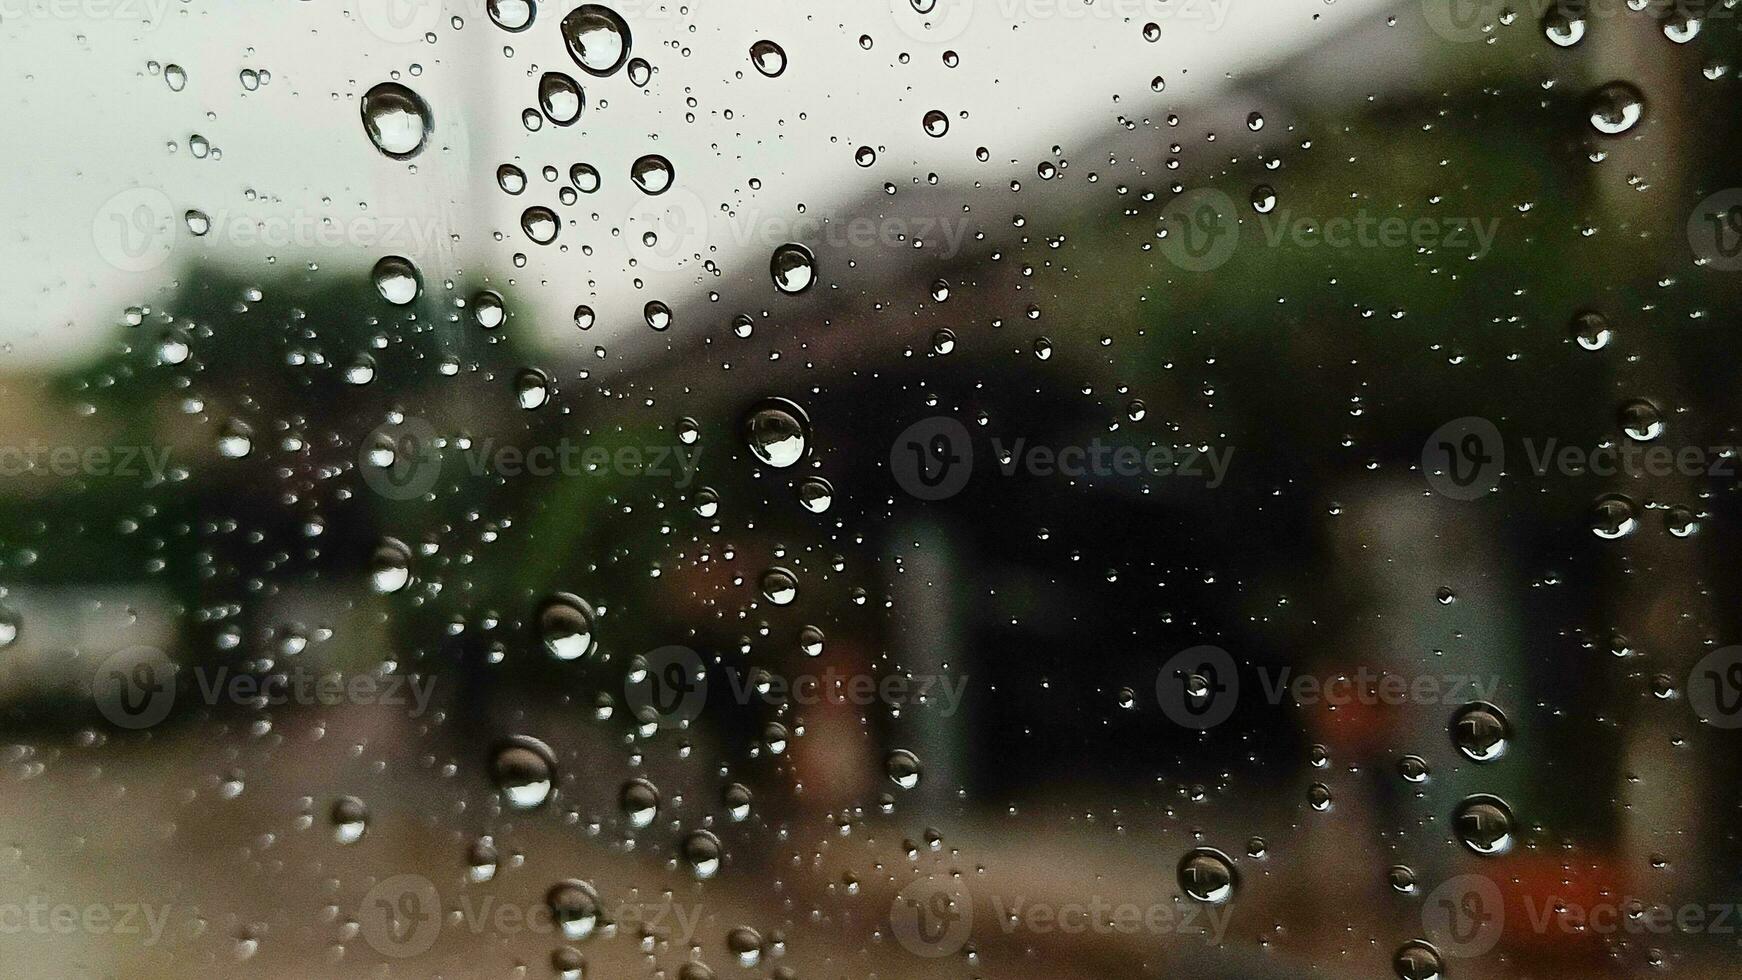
1658, 598
929, 644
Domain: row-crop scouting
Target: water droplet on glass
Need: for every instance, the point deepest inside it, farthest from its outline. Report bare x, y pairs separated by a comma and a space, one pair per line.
778, 432
350, 819
560, 98
523, 769
1416, 960
903, 768
639, 801
397, 120
565, 625
511, 15
1481, 732
390, 566
531, 388
597, 38
1591, 330
768, 57
701, 850
935, 123
1484, 824
815, 494
779, 586
1207, 875
1616, 108
1613, 516
397, 279
793, 268
652, 173
1640, 420
574, 907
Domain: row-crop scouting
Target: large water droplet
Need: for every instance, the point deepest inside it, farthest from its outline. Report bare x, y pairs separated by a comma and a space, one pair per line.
1207, 875
903, 768
397, 120
397, 279
652, 173
768, 57
598, 39
513, 16
390, 566
524, 770
1484, 824
793, 268
703, 852
1481, 732
1616, 108
1416, 960
778, 432
560, 97
574, 907
639, 801
350, 819
565, 625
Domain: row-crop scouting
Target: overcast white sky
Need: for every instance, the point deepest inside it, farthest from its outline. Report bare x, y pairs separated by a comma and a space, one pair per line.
84, 122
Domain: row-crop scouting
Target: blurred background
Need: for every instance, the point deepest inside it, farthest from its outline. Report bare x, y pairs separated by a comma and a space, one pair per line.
444, 537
